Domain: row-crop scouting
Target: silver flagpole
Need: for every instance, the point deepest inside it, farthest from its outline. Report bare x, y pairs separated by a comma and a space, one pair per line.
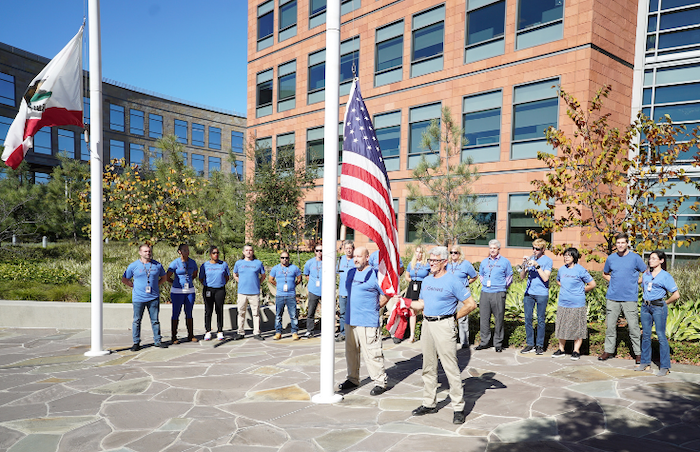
330, 204
95, 50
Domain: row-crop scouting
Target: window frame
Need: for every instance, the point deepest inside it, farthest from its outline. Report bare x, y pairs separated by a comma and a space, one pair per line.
378, 126
263, 10
414, 157
286, 70
137, 115
197, 131
486, 48
10, 80
214, 141
484, 97
316, 60
418, 65
524, 143
264, 78
114, 110
185, 124
537, 33
284, 33
155, 119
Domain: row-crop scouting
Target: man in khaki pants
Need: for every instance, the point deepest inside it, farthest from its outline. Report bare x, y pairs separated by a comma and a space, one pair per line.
363, 330
439, 295
249, 273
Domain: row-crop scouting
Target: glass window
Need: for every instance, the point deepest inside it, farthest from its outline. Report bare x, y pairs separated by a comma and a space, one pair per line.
485, 29
238, 168
519, 222
136, 120
286, 86
314, 150
214, 164
181, 131
154, 154
486, 211
266, 24
482, 127
84, 150
66, 143
263, 152
86, 110
413, 219
317, 10
116, 150
388, 65
5, 124
42, 141
313, 221
184, 158
288, 20
387, 127
317, 77
116, 117
539, 21
349, 56
197, 134
237, 141
418, 121
214, 137
285, 151
428, 38
155, 126
263, 94
198, 164
136, 155
7, 89
674, 29
535, 108
41, 178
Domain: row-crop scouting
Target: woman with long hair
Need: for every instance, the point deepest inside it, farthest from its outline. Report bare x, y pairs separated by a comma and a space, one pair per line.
417, 270
464, 271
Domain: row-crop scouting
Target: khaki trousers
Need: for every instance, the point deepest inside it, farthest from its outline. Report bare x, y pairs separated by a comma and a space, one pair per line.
439, 340
368, 342
243, 301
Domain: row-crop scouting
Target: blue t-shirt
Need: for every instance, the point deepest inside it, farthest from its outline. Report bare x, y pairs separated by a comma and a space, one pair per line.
314, 270
285, 276
498, 271
624, 273
655, 288
363, 298
535, 284
573, 281
464, 271
144, 275
344, 266
183, 272
212, 275
249, 276
419, 272
374, 260
442, 294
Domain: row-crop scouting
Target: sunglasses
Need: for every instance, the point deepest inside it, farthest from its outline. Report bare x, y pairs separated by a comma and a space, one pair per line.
454, 252
435, 261
536, 248
284, 257
319, 251
214, 252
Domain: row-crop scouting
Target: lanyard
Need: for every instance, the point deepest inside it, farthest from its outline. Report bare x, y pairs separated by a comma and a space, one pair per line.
148, 272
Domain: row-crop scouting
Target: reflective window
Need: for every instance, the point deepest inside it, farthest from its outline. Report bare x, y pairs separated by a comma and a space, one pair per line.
181, 131
539, 21
7, 90
286, 86
84, 149
418, 121
42, 141
214, 137
263, 152
314, 150
214, 164
5, 124
349, 57
388, 65
287, 20
197, 134
317, 77
155, 126
237, 141
136, 154
266, 24
42, 178
387, 127
535, 108
136, 120
116, 150
519, 222
428, 39
481, 122
486, 212
116, 117
673, 28
317, 10
285, 151
198, 164
154, 154
485, 29
66, 143
263, 94
86, 110
237, 168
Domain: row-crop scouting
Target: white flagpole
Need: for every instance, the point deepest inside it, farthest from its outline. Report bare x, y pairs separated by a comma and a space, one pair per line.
330, 204
94, 46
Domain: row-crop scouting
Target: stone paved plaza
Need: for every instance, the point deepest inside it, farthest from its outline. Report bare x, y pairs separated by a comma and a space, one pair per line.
255, 396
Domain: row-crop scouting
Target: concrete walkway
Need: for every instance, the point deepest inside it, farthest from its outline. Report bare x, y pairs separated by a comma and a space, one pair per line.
255, 396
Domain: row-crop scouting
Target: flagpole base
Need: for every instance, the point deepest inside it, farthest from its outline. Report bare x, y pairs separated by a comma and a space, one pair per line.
97, 353
322, 399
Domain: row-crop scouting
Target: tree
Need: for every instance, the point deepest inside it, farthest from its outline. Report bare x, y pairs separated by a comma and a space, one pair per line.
64, 216
444, 187
607, 181
20, 202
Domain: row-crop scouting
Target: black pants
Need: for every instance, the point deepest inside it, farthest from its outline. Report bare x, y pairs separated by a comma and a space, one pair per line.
313, 300
214, 299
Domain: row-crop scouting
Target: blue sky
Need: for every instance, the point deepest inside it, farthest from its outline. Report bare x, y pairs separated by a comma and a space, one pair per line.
189, 49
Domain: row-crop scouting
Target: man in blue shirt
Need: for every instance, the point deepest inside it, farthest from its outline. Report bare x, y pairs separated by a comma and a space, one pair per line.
621, 271
363, 329
249, 273
285, 276
144, 276
313, 270
537, 267
374, 262
496, 274
345, 264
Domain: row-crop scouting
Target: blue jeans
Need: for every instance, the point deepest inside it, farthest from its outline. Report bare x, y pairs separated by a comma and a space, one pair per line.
655, 315
291, 304
153, 309
529, 302
342, 304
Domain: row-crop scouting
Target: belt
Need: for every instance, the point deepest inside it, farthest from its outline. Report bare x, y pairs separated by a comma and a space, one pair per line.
438, 318
657, 302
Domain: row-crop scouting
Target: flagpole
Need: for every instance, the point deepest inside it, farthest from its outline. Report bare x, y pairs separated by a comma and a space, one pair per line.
330, 204
96, 145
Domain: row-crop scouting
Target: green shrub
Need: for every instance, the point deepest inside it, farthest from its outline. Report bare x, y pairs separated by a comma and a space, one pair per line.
28, 272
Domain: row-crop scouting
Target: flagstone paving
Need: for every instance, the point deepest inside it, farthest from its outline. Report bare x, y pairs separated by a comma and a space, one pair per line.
249, 395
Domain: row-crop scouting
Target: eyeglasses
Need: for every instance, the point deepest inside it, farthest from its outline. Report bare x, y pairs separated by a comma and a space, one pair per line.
319, 251
454, 252
435, 261
537, 249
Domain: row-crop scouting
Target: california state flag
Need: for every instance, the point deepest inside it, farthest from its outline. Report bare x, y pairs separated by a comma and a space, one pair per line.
54, 98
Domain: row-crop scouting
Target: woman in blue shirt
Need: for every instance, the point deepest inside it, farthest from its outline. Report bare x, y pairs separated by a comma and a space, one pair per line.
417, 270
464, 271
182, 291
214, 274
657, 283
571, 323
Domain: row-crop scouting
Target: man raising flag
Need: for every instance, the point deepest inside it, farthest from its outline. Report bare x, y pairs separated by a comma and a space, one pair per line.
365, 195
53, 98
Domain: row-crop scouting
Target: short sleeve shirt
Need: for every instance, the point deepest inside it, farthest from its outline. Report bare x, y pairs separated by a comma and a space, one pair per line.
143, 276
535, 283
656, 288
345, 264
374, 260
463, 270
442, 294
573, 281
363, 298
624, 273
498, 272
314, 270
419, 272
249, 276
214, 275
285, 277
182, 272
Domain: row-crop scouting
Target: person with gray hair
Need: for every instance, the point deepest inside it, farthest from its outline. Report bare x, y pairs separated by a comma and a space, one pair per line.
496, 274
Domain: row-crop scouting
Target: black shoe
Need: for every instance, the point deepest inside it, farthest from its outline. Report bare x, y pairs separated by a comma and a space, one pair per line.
527, 349
237, 337
539, 350
499, 349
377, 390
396, 340
347, 385
605, 356
161, 345
421, 410
340, 338
135, 347
458, 418
481, 347
258, 337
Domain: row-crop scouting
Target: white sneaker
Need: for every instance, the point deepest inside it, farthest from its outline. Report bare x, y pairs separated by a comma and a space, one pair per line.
207, 337
220, 336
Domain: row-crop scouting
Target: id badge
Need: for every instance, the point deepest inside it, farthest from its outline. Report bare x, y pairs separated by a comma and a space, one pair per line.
285, 289
488, 283
148, 289
649, 287
208, 294
186, 286
415, 287
318, 283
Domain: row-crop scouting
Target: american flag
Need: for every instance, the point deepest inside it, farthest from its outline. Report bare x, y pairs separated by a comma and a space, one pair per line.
365, 195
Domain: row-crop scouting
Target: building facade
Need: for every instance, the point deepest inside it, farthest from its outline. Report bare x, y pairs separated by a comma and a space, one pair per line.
496, 64
133, 120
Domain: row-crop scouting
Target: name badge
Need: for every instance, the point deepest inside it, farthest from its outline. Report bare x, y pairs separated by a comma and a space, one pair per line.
148, 289
208, 293
649, 287
488, 283
318, 283
415, 287
186, 285
285, 289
